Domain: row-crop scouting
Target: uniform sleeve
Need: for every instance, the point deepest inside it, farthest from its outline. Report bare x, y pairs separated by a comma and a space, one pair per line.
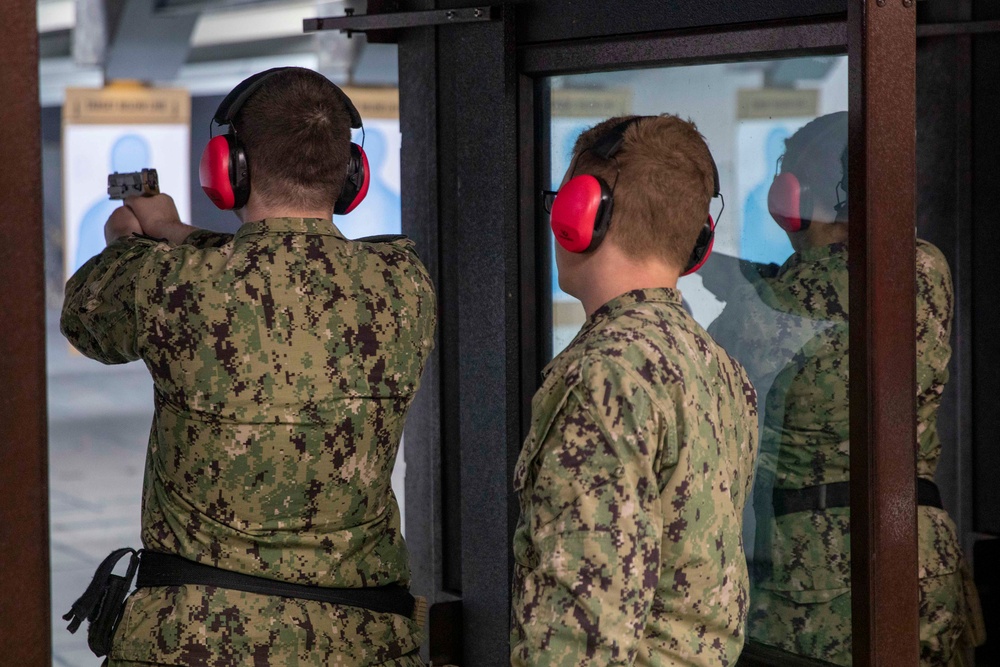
99, 310
595, 524
935, 300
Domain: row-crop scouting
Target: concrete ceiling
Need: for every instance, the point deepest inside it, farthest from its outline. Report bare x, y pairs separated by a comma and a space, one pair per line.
206, 46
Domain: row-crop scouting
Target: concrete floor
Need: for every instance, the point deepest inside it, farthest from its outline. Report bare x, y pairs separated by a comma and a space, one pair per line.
99, 418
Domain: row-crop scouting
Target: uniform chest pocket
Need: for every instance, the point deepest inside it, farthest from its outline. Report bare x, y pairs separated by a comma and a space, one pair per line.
545, 406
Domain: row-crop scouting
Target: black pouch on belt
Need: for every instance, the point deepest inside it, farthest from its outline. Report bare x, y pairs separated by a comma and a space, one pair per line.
103, 601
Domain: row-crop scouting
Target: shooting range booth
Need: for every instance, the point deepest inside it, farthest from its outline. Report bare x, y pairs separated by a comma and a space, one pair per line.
487, 96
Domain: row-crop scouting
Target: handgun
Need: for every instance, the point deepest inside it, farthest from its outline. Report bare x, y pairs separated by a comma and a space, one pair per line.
133, 184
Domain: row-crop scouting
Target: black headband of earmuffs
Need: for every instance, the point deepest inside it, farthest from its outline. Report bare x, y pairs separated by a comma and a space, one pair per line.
238, 96
611, 143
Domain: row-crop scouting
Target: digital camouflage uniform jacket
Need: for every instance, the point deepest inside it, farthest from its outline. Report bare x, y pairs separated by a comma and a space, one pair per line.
632, 484
789, 328
284, 359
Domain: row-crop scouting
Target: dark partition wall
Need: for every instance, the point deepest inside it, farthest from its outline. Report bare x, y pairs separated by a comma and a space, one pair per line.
983, 322
459, 125
479, 253
957, 197
985, 240
944, 199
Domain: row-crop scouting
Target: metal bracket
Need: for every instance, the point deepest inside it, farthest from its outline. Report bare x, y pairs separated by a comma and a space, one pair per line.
351, 23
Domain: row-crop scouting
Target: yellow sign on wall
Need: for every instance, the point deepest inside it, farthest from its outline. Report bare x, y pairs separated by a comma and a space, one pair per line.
123, 104
777, 103
583, 103
375, 102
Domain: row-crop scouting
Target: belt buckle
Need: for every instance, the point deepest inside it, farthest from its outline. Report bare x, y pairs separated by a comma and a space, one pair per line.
821, 505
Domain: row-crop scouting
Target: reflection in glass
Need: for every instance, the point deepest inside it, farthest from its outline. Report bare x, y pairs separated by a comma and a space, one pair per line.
788, 325
776, 297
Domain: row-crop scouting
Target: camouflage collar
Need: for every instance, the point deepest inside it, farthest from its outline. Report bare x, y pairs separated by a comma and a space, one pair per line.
622, 302
322, 226
649, 295
617, 306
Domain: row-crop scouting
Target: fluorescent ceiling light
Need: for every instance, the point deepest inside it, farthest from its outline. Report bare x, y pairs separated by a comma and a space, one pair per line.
56, 15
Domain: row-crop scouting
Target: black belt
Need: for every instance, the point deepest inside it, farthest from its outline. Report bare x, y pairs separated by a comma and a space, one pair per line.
159, 569
104, 600
838, 494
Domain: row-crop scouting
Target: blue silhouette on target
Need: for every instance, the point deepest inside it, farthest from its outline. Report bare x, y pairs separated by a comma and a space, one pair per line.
130, 153
762, 240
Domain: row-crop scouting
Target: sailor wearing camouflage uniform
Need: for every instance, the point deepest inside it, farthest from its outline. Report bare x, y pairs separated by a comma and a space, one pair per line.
634, 475
789, 327
284, 358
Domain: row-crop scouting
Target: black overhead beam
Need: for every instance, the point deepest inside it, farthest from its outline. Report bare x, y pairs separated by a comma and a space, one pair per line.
351, 22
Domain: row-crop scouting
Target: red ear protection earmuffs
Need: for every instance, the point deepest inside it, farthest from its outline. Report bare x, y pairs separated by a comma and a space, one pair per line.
790, 201
225, 173
581, 213
356, 186
581, 210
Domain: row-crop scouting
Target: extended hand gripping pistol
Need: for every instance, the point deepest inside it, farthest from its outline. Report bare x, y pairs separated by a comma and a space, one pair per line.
133, 184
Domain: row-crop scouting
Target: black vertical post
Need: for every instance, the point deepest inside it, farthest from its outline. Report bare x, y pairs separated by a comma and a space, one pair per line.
459, 121
423, 435
478, 140
535, 162
432, 452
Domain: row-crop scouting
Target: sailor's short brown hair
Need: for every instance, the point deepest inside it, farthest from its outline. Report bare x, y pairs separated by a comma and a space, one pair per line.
296, 132
663, 182
816, 154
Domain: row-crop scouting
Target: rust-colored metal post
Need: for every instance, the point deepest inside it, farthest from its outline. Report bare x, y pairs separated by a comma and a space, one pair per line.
24, 527
882, 50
